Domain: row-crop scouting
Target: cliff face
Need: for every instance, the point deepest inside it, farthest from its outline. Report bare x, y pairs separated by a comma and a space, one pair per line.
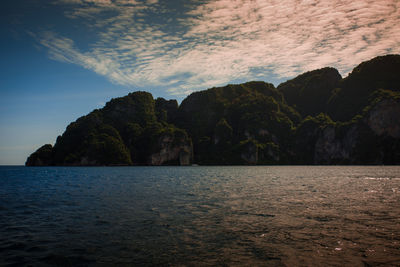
315, 118
373, 138
331, 149
384, 118
172, 149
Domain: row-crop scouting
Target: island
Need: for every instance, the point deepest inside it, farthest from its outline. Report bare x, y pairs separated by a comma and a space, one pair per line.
316, 118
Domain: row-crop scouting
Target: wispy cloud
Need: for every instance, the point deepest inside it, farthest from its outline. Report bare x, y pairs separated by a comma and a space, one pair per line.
143, 43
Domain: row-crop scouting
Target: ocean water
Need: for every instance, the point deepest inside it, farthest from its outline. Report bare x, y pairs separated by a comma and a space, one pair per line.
200, 216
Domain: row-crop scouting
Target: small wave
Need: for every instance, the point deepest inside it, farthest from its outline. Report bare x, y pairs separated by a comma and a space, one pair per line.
377, 178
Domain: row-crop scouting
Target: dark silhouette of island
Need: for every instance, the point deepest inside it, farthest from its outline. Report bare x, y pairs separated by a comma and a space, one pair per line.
315, 118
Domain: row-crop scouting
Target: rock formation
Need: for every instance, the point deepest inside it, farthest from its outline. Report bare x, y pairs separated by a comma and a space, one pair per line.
315, 118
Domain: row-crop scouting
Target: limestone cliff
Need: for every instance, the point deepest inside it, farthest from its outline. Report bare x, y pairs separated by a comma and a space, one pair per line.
384, 118
372, 138
333, 149
172, 149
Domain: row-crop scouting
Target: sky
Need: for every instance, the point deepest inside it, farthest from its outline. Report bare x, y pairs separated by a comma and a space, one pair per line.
61, 59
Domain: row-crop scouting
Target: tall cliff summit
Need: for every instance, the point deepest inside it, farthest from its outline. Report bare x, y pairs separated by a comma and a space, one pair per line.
316, 118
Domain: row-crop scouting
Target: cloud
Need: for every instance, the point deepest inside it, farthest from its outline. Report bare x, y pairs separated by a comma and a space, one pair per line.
217, 42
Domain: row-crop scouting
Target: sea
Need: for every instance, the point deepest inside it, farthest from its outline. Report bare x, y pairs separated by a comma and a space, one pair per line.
200, 216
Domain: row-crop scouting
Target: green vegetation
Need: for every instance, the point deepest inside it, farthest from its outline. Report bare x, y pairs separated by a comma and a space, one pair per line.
125, 132
315, 118
310, 92
368, 77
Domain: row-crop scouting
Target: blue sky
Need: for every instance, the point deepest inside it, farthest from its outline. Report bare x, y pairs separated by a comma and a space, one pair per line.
63, 58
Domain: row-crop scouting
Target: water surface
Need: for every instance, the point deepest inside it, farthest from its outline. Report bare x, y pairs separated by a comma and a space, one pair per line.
207, 216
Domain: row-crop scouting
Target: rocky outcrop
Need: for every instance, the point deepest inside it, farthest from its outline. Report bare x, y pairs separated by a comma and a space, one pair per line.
331, 149
384, 118
41, 157
249, 152
172, 150
373, 138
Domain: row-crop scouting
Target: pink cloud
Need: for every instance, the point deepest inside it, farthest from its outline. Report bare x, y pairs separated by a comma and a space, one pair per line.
226, 40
